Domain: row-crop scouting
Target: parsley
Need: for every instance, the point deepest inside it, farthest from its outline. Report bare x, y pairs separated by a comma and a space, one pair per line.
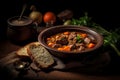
78, 38
111, 38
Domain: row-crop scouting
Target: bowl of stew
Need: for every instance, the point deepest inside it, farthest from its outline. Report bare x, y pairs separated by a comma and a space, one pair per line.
70, 40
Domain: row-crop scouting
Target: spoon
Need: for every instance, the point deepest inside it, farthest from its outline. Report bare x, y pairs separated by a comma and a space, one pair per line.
23, 10
21, 66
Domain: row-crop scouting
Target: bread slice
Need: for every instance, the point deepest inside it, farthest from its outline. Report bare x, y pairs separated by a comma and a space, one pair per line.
22, 52
40, 56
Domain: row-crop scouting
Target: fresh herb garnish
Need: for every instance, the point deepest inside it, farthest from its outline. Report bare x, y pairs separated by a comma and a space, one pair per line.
110, 37
78, 38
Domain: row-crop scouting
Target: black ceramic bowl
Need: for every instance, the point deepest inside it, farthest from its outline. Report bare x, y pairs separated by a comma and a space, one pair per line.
62, 28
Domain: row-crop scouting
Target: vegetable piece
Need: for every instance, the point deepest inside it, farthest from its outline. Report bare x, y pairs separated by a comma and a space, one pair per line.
60, 49
83, 35
35, 15
67, 22
66, 33
65, 48
50, 44
49, 17
90, 45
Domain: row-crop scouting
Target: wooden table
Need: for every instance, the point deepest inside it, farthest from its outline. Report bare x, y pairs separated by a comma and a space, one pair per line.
7, 47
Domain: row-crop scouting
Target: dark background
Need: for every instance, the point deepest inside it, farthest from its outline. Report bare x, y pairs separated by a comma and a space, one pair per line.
105, 13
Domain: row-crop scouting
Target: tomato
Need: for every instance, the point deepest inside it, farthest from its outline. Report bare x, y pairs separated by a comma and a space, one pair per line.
49, 17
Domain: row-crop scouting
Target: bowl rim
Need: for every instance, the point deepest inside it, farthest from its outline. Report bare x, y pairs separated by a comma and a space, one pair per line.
98, 45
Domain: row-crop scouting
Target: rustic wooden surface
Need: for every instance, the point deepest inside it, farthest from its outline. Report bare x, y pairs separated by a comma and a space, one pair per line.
96, 69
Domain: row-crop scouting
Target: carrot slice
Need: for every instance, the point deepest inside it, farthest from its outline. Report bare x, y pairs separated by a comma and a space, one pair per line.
67, 48
83, 35
66, 33
50, 44
91, 45
64, 48
60, 49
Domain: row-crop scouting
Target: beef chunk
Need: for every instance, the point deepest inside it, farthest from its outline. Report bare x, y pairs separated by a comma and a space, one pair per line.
56, 45
62, 41
87, 40
72, 35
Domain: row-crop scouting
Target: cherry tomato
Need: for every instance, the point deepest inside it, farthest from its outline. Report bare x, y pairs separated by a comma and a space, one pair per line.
49, 17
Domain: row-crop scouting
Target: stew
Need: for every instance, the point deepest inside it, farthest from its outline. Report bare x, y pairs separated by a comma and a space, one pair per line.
71, 41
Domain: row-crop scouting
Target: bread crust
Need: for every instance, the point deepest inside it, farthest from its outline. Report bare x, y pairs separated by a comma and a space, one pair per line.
22, 52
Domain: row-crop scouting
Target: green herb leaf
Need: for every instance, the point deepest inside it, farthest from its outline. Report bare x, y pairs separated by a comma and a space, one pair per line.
110, 37
78, 38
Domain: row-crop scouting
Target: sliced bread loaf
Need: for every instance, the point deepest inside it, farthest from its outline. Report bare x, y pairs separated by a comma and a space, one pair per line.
40, 56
